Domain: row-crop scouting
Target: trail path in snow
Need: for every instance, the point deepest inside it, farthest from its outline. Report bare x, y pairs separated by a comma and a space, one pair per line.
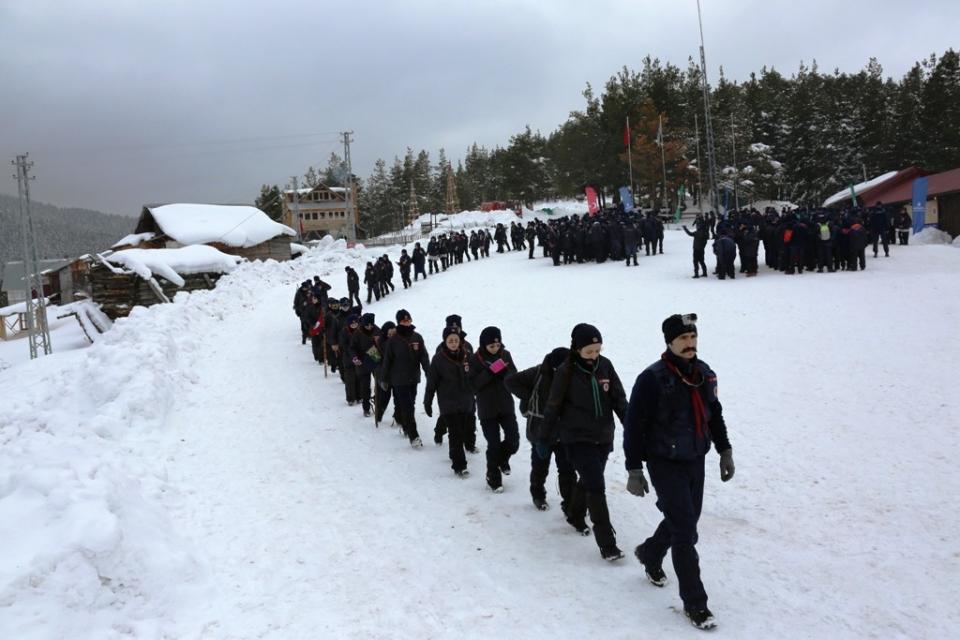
318, 525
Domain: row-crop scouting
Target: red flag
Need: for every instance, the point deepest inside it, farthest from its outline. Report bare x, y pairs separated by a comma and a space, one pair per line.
626, 136
593, 207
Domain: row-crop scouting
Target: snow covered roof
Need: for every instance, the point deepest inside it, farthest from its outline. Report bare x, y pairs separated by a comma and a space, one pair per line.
859, 188
232, 225
170, 264
134, 239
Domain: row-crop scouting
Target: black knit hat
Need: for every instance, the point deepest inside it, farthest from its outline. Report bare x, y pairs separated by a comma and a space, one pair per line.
677, 325
450, 331
386, 326
402, 315
454, 319
556, 357
367, 319
583, 335
489, 335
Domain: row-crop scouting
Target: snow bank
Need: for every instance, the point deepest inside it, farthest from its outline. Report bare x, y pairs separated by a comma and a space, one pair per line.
236, 226
90, 549
170, 264
931, 235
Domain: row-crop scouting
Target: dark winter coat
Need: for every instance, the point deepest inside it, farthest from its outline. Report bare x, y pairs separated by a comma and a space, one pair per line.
403, 358
493, 399
449, 381
363, 346
583, 399
662, 416
532, 387
353, 281
700, 236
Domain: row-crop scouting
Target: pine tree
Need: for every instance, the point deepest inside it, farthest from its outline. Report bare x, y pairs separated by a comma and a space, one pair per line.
941, 114
270, 201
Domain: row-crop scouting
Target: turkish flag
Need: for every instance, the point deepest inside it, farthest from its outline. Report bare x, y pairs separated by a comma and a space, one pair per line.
626, 136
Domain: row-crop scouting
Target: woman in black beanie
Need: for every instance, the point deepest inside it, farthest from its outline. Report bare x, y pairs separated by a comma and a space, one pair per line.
585, 394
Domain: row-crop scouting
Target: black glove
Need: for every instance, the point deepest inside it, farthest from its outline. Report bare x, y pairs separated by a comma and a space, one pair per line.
726, 465
637, 483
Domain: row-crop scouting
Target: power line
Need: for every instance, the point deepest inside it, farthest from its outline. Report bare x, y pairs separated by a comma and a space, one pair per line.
196, 143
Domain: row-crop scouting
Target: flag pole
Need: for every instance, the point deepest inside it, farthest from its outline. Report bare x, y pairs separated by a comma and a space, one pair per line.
663, 160
696, 128
630, 156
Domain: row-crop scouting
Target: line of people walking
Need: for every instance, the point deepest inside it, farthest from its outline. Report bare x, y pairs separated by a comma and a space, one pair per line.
569, 401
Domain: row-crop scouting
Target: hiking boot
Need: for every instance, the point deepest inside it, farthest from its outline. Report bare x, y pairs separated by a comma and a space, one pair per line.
540, 503
472, 449
416, 443
505, 468
462, 473
655, 574
611, 553
437, 438
366, 413
700, 617
495, 486
580, 524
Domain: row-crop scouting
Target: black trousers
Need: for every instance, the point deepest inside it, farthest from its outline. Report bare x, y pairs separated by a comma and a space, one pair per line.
355, 295
904, 237
316, 343
457, 424
373, 290
590, 460
679, 487
404, 398
881, 238
405, 277
540, 469
699, 262
362, 377
417, 272
499, 449
349, 380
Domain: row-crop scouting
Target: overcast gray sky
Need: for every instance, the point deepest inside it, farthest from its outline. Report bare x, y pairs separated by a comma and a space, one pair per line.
124, 102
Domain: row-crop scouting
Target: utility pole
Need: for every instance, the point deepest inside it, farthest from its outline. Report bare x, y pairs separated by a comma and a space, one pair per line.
296, 211
413, 210
348, 183
708, 123
663, 160
733, 137
37, 330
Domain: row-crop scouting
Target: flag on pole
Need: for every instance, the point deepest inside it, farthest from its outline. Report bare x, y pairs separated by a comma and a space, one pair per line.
659, 139
593, 207
626, 134
853, 195
919, 202
627, 199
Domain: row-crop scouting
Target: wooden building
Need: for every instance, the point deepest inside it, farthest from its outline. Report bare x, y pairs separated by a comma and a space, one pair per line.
320, 211
943, 199
235, 229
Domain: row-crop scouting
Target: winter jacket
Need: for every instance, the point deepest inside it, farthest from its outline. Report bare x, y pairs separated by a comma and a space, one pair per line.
403, 358
449, 381
493, 399
532, 387
583, 399
353, 281
363, 345
662, 418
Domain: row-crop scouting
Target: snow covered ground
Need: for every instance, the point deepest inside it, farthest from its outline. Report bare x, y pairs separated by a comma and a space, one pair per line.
193, 475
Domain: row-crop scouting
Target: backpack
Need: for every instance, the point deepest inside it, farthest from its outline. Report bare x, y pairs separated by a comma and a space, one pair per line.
824, 231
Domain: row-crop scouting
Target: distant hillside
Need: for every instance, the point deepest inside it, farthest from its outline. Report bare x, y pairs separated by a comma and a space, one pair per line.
60, 232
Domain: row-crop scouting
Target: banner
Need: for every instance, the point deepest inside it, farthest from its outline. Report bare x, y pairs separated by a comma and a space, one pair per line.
592, 205
681, 192
919, 204
853, 196
627, 199
626, 134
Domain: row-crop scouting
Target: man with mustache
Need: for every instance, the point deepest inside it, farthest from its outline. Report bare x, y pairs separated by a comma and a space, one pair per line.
673, 415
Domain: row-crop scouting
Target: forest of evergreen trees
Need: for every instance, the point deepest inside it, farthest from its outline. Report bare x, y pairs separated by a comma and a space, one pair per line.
798, 138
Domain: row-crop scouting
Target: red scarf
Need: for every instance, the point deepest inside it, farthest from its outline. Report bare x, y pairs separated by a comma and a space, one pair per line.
694, 384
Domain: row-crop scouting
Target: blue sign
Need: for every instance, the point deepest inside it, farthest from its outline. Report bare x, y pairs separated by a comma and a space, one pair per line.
627, 199
919, 204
